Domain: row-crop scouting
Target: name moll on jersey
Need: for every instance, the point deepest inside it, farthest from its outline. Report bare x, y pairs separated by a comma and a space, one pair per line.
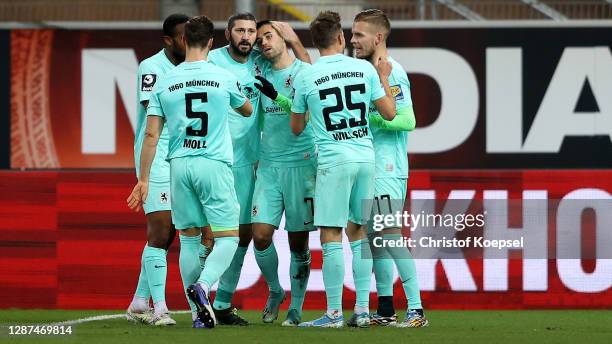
338, 75
194, 144
193, 83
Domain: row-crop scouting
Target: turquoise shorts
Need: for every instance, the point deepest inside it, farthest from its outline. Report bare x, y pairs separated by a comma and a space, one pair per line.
389, 196
342, 192
203, 192
244, 184
158, 198
285, 188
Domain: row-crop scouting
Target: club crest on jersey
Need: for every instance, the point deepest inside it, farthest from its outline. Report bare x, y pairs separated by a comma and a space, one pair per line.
396, 92
257, 70
163, 197
148, 81
249, 92
288, 81
255, 211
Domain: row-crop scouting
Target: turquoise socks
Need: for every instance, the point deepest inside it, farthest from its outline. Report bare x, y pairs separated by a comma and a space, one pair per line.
407, 271
189, 263
142, 289
156, 271
362, 274
217, 262
267, 260
383, 271
299, 271
229, 280
333, 275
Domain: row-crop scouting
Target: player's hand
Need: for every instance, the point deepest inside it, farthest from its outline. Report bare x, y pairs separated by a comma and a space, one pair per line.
286, 31
266, 87
138, 196
383, 67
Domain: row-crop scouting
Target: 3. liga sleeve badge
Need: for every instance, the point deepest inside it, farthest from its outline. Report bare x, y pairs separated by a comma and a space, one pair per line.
148, 81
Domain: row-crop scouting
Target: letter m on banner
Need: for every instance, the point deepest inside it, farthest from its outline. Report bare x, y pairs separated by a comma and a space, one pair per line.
103, 72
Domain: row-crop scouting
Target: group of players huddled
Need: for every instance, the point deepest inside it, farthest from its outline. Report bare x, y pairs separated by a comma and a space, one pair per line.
229, 139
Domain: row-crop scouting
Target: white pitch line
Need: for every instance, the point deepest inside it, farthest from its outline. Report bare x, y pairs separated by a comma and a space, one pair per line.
100, 318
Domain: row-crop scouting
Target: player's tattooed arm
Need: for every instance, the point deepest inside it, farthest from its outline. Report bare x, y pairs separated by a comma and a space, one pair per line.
246, 109
298, 123
153, 131
292, 39
385, 105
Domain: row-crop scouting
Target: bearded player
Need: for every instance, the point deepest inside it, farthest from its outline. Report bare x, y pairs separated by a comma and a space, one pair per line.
239, 58
370, 31
285, 177
336, 90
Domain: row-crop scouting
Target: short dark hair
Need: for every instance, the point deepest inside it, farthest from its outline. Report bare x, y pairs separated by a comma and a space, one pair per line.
172, 21
239, 16
262, 23
198, 31
324, 29
376, 17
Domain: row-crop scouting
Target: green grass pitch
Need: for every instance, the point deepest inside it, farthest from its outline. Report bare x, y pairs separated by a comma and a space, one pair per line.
520, 327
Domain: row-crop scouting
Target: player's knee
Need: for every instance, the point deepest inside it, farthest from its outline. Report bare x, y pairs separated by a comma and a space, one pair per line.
261, 240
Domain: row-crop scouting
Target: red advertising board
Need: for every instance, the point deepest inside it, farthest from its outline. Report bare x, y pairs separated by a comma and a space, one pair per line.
69, 242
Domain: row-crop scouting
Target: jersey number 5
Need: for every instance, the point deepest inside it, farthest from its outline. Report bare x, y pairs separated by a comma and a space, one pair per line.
203, 115
352, 122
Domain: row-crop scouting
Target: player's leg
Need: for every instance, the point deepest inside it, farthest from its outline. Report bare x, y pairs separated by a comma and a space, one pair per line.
218, 199
360, 207
415, 317
389, 199
152, 279
138, 310
299, 272
159, 232
188, 219
266, 216
331, 215
244, 178
298, 184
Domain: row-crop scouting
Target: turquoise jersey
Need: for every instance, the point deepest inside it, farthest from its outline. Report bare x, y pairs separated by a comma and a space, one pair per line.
279, 146
195, 98
150, 71
391, 147
244, 131
337, 90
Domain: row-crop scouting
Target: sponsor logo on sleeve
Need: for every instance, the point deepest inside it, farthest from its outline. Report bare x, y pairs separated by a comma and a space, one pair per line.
148, 81
396, 92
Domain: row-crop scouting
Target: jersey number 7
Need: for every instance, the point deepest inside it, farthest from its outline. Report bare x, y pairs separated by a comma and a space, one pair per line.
202, 115
361, 106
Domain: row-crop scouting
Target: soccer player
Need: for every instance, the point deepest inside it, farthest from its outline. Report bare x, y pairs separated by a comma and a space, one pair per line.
370, 31
194, 99
239, 58
160, 231
285, 177
337, 90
